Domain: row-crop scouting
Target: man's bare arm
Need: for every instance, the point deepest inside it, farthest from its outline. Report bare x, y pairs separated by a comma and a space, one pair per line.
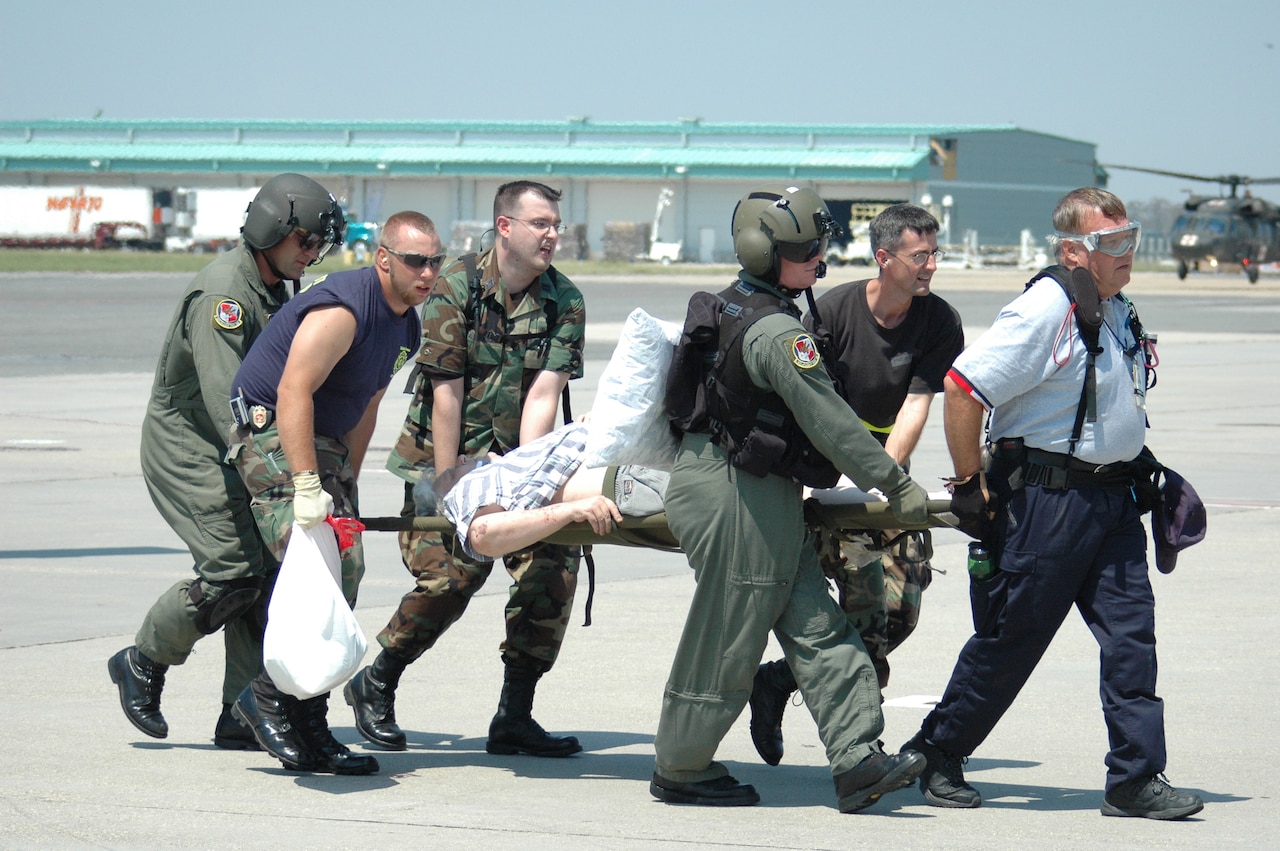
908, 426
358, 438
495, 532
539, 414
446, 422
962, 420
325, 335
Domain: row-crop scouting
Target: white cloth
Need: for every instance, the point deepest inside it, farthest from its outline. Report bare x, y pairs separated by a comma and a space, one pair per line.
629, 416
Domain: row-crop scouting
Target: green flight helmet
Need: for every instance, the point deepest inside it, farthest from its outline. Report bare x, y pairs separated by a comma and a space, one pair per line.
773, 221
289, 201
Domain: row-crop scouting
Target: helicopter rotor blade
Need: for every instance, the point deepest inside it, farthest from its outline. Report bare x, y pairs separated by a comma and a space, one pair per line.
1232, 180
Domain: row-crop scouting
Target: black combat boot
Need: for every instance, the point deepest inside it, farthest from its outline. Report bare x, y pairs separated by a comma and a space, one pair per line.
331, 755
772, 688
270, 715
942, 781
372, 694
140, 681
513, 729
231, 735
877, 775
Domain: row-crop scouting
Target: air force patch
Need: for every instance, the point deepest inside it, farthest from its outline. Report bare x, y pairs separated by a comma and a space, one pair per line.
228, 315
805, 352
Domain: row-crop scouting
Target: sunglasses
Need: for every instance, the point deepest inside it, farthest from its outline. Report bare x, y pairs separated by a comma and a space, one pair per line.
417, 261
801, 252
309, 241
1114, 242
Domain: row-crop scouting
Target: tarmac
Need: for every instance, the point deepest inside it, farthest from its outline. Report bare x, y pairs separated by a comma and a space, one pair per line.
84, 554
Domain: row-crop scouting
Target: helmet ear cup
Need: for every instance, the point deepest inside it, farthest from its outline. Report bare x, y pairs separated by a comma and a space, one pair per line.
754, 248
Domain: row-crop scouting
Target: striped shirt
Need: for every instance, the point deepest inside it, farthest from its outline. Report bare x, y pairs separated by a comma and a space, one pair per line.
526, 477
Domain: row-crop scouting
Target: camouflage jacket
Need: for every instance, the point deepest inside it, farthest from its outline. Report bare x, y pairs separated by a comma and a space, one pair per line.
498, 347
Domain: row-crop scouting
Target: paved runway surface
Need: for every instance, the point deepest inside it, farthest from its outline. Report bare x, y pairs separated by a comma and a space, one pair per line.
84, 554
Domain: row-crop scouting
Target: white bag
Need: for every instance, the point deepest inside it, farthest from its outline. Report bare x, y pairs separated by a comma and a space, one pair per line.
629, 416
313, 642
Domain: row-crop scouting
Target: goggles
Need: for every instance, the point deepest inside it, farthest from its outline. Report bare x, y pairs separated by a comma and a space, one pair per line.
1114, 242
802, 252
417, 261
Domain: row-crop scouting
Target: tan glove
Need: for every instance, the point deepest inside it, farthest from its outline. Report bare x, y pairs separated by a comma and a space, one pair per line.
908, 500
311, 503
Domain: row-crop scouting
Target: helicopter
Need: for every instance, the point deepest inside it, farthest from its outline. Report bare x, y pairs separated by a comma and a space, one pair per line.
1223, 229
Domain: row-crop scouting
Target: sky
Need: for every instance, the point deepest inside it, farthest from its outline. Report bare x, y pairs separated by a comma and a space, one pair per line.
1176, 85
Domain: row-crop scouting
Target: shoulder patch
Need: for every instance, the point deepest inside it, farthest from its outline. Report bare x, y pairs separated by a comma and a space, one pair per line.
228, 315
804, 352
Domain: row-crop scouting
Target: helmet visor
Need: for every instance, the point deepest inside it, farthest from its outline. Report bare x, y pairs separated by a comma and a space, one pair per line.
802, 252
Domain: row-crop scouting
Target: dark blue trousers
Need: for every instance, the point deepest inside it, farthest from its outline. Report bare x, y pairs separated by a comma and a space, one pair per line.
1086, 547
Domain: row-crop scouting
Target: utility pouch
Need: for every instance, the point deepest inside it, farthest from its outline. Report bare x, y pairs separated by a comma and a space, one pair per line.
1146, 480
759, 453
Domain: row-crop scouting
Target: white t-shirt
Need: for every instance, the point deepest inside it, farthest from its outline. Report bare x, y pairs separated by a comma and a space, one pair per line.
1029, 370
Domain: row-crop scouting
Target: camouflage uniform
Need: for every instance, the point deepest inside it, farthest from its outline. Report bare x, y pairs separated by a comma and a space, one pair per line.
499, 352
879, 578
184, 437
265, 471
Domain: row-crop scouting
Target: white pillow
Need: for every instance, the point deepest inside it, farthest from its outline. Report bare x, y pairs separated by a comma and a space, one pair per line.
629, 416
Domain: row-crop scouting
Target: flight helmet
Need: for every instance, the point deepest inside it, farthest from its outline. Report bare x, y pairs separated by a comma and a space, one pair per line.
780, 221
289, 201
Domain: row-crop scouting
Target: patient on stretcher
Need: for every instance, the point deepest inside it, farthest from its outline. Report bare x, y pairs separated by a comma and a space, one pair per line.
509, 502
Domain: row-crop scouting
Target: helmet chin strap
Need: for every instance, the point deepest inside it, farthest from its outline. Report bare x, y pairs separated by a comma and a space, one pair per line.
820, 272
281, 275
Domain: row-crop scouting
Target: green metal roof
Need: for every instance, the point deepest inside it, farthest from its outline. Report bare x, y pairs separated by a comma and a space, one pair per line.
575, 147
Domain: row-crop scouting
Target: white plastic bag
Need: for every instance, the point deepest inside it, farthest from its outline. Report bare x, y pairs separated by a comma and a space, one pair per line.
313, 642
629, 415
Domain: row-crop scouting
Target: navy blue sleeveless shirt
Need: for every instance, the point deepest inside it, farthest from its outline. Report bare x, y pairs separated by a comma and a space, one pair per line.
384, 342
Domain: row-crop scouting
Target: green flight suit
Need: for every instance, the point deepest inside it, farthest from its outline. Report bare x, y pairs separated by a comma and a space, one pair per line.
184, 440
757, 571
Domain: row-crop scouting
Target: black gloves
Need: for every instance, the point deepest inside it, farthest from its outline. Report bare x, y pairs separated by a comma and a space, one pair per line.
972, 505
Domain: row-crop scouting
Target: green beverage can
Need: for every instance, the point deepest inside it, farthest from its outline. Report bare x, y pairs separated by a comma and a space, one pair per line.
980, 566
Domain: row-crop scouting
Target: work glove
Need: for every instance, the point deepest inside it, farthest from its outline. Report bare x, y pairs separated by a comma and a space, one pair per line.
972, 505
311, 503
909, 501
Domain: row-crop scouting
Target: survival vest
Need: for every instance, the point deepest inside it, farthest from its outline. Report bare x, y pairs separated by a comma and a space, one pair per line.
709, 390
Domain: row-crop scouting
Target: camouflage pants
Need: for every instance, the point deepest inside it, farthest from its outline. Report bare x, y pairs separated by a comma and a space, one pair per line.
544, 579
880, 577
261, 462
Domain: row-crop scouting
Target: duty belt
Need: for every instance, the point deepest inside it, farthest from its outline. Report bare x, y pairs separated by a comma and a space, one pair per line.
1059, 472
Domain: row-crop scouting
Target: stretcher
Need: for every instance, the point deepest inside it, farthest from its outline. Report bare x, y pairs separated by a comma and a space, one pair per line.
653, 532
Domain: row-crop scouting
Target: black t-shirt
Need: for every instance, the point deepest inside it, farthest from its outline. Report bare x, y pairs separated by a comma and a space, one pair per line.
881, 366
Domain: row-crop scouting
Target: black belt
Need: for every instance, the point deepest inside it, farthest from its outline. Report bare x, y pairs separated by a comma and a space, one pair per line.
1056, 471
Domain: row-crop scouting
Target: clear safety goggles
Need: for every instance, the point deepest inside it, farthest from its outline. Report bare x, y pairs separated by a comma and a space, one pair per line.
1114, 242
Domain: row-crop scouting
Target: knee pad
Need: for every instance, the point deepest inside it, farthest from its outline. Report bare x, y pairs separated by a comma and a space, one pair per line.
223, 601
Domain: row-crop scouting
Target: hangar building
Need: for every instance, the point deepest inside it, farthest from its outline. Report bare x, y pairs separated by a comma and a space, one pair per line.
994, 180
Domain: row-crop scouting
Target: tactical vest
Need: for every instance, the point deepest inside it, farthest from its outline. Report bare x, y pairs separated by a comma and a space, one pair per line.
710, 392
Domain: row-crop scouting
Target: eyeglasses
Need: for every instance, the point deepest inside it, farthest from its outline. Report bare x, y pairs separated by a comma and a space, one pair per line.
1114, 242
801, 252
921, 257
417, 261
309, 241
540, 226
